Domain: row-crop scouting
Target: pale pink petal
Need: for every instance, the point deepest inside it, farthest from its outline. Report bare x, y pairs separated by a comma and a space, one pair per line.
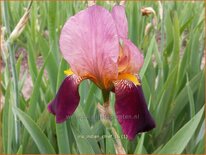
89, 42
119, 16
131, 59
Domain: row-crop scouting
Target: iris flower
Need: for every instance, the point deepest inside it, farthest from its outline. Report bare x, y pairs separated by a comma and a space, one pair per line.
95, 43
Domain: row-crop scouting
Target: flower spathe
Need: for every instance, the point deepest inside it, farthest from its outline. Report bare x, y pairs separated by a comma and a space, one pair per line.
95, 43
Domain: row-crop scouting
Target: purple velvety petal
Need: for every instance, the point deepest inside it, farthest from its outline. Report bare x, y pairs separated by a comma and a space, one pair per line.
131, 109
66, 100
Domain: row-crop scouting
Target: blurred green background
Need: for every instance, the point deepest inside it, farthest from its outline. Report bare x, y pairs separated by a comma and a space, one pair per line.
173, 81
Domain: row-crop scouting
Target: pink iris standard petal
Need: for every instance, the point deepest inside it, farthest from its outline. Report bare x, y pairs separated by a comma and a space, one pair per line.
119, 16
131, 109
66, 100
134, 57
89, 42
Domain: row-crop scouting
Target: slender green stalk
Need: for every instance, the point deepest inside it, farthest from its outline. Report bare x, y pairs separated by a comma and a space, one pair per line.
105, 95
162, 45
106, 116
16, 92
162, 32
13, 70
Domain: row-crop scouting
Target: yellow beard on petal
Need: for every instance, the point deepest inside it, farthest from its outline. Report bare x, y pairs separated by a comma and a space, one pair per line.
130, 77
68, 72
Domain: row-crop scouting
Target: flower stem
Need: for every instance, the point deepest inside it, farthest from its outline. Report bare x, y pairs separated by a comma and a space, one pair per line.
106, 118
118, 144
105, 95
13, 71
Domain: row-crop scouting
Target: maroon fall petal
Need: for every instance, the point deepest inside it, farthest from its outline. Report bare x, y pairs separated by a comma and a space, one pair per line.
131, 109
66, 100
